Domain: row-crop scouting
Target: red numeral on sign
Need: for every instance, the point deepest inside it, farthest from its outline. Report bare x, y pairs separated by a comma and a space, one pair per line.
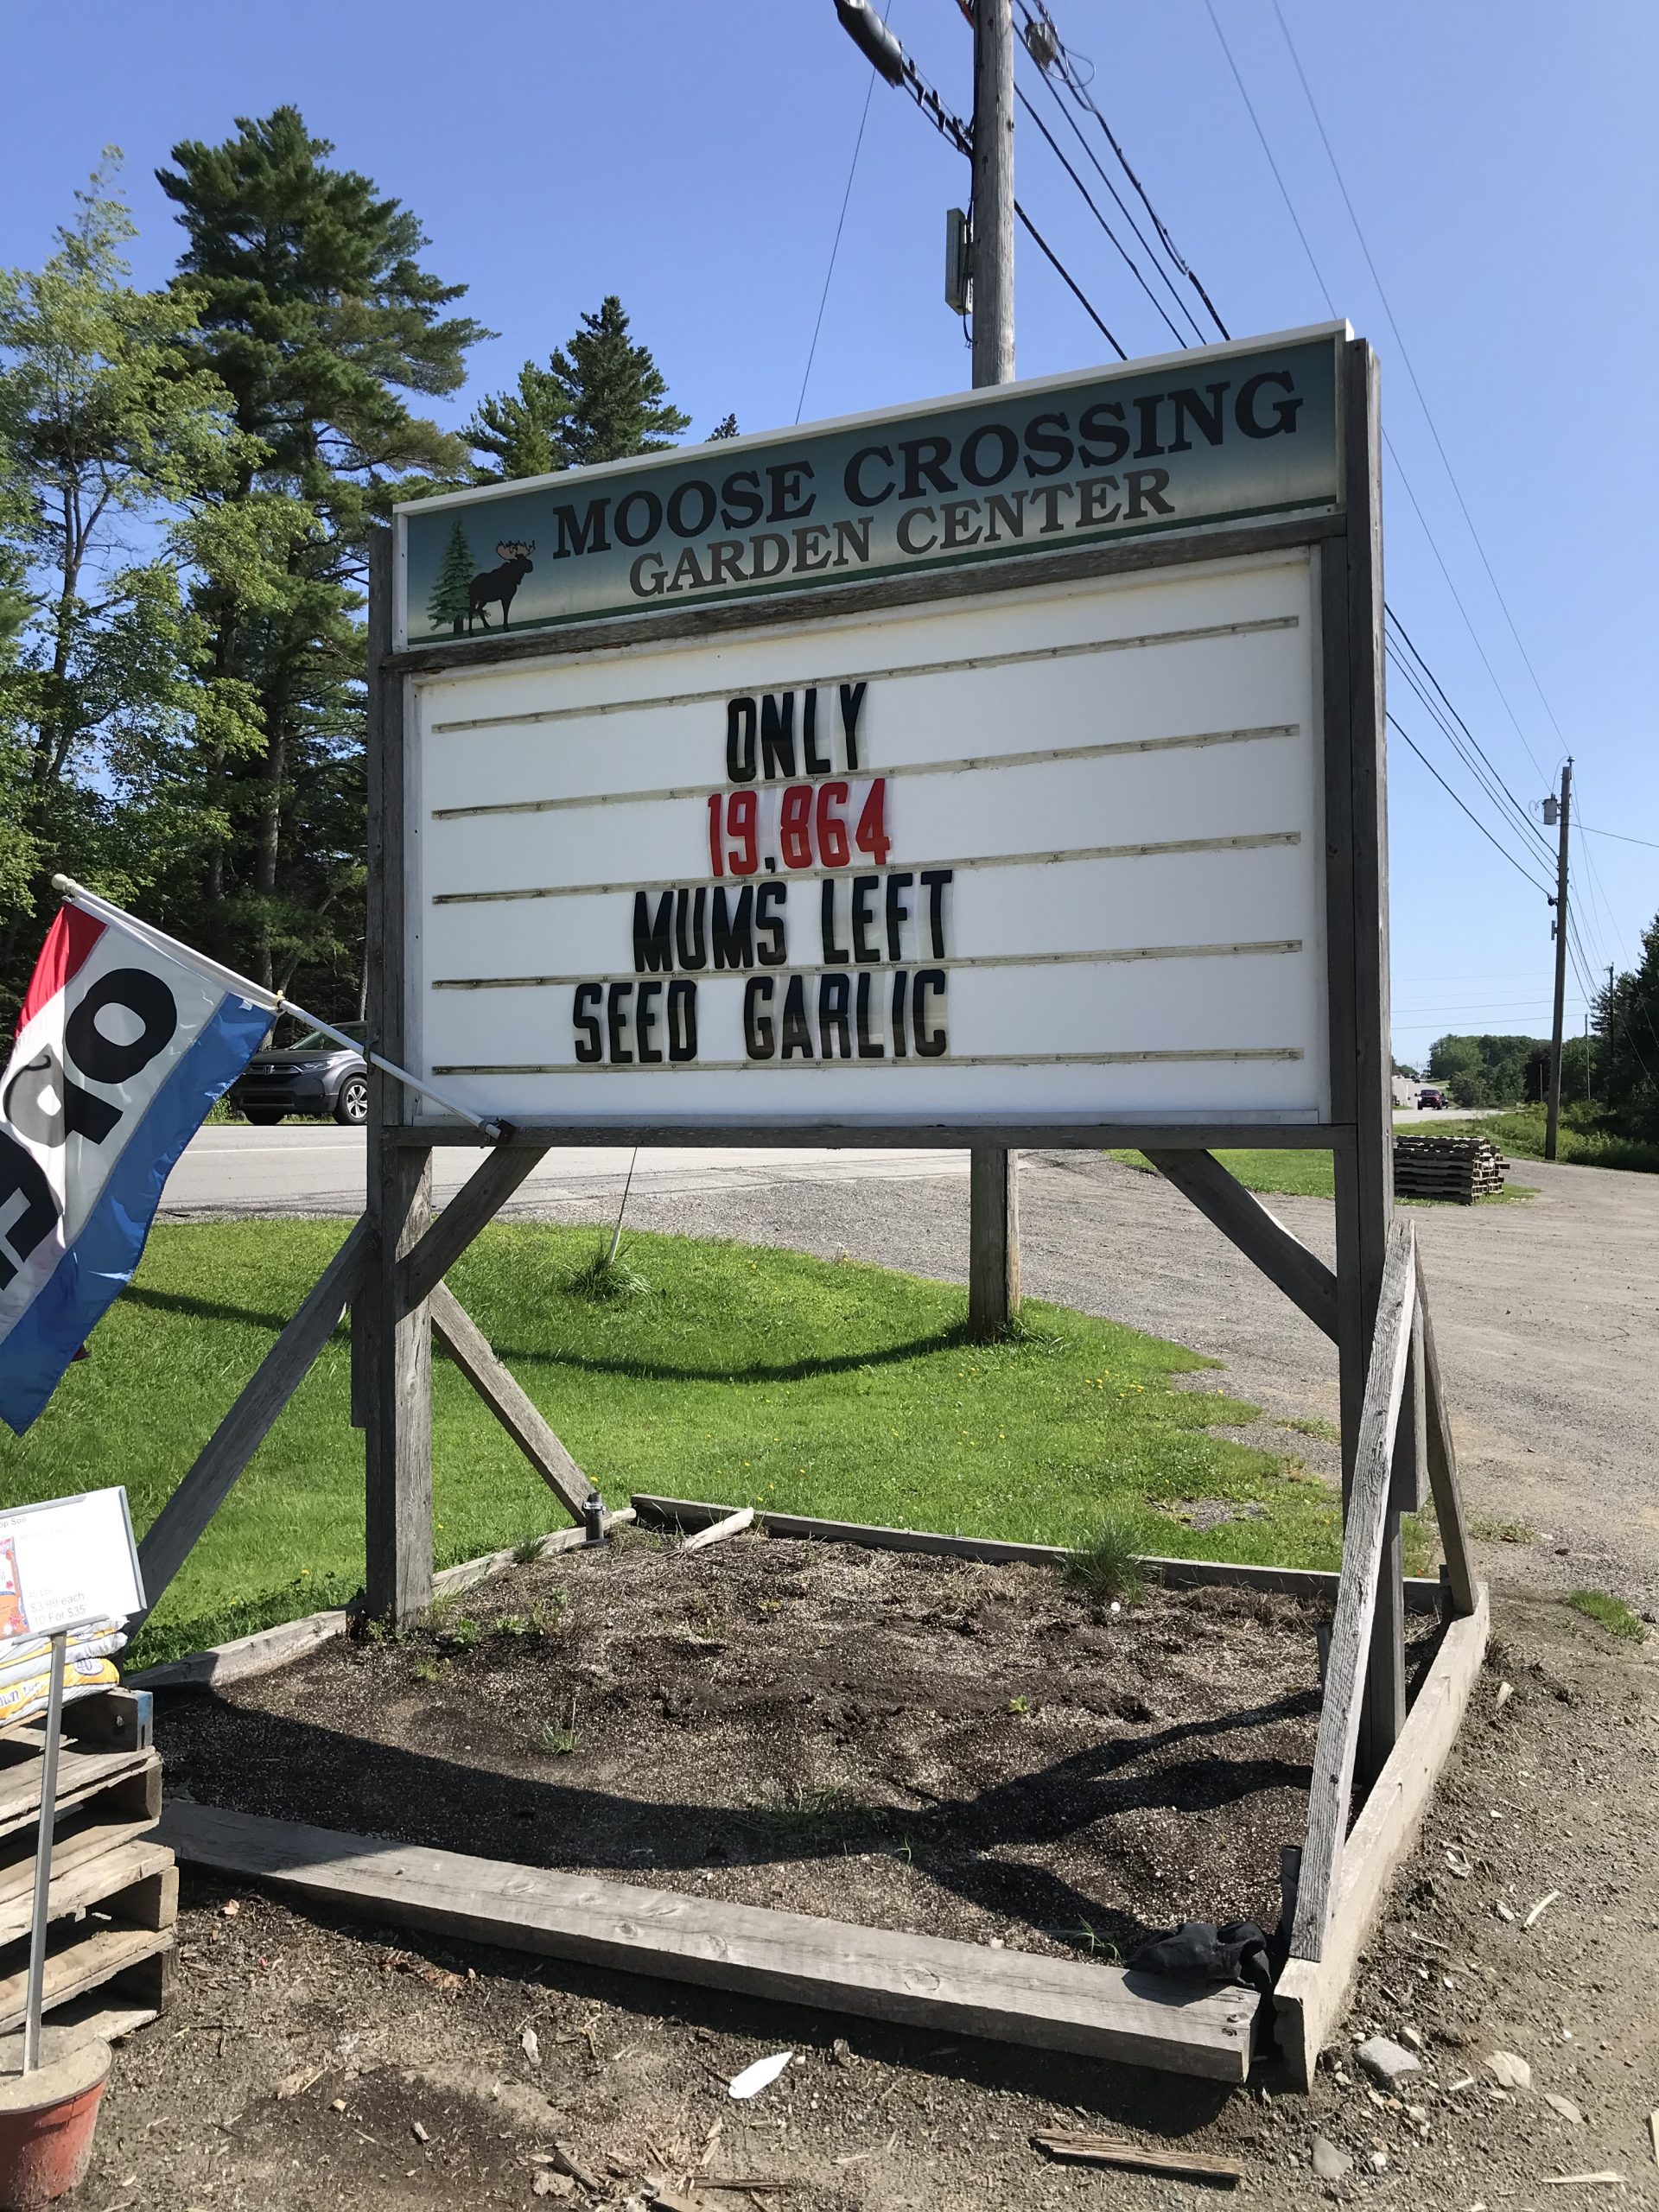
833, 850
795, 827
716, 843
872, 834
740, 826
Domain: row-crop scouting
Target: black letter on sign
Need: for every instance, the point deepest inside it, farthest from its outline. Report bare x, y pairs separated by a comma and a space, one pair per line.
646, 1023
772, 942
682, 1021
815, 763
617, 1010
930, 1043
1282, 411
21, 1177
739, 741
936, 878
833, 992
735, 928
797, 1038
141, 992
694, 951
77, 1112
777, 734
652, 952
589, 1045
852, 706
758, 1040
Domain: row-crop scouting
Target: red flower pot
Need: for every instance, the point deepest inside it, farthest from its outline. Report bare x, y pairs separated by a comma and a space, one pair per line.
47, 2117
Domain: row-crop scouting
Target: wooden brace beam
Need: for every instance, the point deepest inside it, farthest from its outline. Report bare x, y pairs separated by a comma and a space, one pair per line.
1337, 1743
468, 1347
178, 1527
1264, 1241
1442, 1457
479, 1198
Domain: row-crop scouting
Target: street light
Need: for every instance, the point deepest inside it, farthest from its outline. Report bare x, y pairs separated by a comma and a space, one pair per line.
872, 39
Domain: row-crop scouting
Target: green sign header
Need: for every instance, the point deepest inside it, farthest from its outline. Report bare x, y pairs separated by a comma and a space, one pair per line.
1220, 434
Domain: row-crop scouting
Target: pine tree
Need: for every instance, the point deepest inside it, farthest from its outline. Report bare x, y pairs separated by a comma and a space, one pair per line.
451, 599
315, 312
602, 398
726, 428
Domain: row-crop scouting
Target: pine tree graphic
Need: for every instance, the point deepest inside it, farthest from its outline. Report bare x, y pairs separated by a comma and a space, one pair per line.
450, 601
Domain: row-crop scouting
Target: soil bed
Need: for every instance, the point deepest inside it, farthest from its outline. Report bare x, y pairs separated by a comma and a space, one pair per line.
923, 1744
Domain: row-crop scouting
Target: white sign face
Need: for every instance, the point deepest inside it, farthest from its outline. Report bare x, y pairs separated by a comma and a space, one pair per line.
1051, 853
66, 1564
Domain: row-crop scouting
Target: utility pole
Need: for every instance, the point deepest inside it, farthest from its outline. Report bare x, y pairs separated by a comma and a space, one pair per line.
993, 1174
993, 1182
1563, 808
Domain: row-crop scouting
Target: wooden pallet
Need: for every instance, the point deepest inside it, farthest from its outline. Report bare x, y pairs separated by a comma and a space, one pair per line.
1459, 1168
114, 1893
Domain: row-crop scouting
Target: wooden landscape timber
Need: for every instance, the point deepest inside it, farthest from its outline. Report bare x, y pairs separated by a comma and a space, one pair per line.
269, 1648
1423, 1595
1055, 2004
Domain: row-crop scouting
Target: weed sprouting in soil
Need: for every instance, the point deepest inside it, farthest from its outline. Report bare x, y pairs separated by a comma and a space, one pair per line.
1108, 1565
529, 1552
804, 1815
1612, 1614
607, 1280
426, 1666
560, 1743
461, 1634
1323, 1431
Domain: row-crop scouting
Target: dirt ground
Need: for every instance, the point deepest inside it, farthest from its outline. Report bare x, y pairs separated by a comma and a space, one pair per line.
921, 1744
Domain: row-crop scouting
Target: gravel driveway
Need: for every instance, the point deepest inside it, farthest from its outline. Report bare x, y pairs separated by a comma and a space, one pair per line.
1547, 1314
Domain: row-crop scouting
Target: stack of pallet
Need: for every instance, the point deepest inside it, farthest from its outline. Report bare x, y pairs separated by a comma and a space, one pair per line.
115, 1889
1459, 1168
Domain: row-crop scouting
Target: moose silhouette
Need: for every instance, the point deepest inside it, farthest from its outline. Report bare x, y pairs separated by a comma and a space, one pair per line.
501, 584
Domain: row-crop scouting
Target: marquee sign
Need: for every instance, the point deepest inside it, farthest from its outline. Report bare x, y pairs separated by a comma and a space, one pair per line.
1033, 848
1221, 434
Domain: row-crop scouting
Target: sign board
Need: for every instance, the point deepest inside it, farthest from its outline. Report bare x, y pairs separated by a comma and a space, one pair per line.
66, 1564
1025, 847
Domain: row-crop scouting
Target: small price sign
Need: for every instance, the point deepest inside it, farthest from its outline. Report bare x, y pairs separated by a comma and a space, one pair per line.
68, 1563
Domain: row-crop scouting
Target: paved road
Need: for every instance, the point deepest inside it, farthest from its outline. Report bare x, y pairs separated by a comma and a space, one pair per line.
309, 1168
317, 1168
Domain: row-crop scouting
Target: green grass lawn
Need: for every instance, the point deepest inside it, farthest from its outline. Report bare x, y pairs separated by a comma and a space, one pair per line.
1310, 1174
739, 1375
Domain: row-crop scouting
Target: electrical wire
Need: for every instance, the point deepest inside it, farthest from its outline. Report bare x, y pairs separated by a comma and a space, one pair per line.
1405, 356
1324, 291
1069, 280
1128, 258
1079, 91
1475, 818
1623, 837
841, 223
1089, 156
1508, 813
1515, 805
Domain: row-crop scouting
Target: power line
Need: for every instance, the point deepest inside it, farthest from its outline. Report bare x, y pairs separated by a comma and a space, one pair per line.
1440, 445
1089, 156
1069, 280
1324, 290
1079, 91
1623, 837
1475, 818
1129, 261
841, 222
1508, 809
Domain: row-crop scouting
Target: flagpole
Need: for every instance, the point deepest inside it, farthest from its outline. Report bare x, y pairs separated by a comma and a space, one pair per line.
106, 910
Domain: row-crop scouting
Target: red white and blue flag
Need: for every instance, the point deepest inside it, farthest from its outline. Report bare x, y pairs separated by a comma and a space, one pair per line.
122, 1048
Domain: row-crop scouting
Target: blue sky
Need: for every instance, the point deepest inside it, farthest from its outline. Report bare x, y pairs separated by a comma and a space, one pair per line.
693, 158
